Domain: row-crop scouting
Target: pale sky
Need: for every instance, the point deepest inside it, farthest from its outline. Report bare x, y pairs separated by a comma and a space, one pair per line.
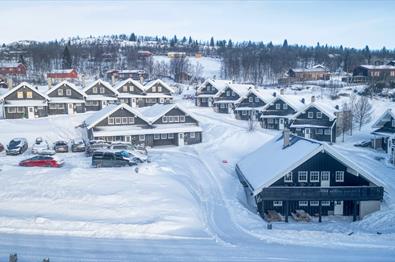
351, 23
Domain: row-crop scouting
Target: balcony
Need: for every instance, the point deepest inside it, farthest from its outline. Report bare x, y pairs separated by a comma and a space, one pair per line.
358, 193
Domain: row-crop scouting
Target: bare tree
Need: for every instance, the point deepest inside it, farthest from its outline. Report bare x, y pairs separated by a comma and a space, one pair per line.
362, 111
344, 120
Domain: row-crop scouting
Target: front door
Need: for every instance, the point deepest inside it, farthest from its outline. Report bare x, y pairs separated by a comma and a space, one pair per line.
161, 100
70, 109
338, 208
134, 102
281, 123
307, 132
181, 139
30, 112
103, 104
325, 178
229, 108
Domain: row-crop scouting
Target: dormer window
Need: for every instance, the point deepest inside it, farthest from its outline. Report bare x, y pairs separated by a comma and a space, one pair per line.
310, 115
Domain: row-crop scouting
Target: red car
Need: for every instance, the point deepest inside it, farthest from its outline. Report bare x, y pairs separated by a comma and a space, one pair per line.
42, 161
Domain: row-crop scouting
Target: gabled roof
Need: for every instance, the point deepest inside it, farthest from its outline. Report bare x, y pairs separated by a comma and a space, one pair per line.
23, 84
378, 67
384, 118
240, 89
62, 71
218, 84
98, 116
266, 97
120, 84
104, 83
292, 101
316, 68
154, 112
71, 85
329, 111
277, 160
158, 81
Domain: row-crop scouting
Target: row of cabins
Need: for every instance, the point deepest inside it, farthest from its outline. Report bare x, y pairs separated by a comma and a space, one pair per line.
25, 101
314, 120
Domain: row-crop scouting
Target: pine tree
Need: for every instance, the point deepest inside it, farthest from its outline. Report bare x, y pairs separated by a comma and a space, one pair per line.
67, 62
190, 41
22, 60
133, 37
230, 43
285, 44
212, 42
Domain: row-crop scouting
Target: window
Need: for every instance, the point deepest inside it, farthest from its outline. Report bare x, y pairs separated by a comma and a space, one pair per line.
277, 203
60, 92
170, 136
325, 203
131, 120
170, 119
124, 120
131, 88
182, 118
314, 203
125, 88
176, 119
270, 120
244, 112
154, 89
29, 94
314, 176
310, 114
278, 106
60, 106
52, 106
302, 176
11, 110
118, 120
110, 120
319, 131
192, 135
393, 122
319, 115
285, 106
222, 105
288, 178
250, 99
164, 119
256, 99
141, 137
102, 91
20, 109
303, 203
94, 90
159, 88
325, 175
156, 136
233, 93
163, 136
392, 73
68, 92
327, 131
227, 93
19, 94
339, 176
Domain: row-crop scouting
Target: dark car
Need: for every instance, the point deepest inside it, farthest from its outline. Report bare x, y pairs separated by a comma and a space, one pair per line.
111, 159
61, 147
42, 161
16, 146
1, 147
96, 147
78, 145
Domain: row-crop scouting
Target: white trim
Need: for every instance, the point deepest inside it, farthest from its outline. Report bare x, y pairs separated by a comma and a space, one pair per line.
315, 173
277, 203
23, 84
66, 83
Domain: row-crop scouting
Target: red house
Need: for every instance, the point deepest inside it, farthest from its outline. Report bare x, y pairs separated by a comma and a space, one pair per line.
63, 74
12, 68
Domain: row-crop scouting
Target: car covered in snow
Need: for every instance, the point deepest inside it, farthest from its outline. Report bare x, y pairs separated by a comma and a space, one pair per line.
42, 161
133, 152
91, 148
78, 145
111, 159
39, 146
17, 146
61, 146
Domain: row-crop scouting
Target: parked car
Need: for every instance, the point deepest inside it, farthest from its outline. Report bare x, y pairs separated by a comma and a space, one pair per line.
17, 146
1, 147
61, 147
111, 159
39, 146
96, 147
78, 145
42, 161
133, 152
363, 144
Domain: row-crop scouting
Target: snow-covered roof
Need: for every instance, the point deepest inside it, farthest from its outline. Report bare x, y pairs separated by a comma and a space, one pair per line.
61, 71
136, 130
25, 102
265, 96
23, 84
384, 118
218, 84
316, 68
9, 64
328, 110
272, 161
100, 98
240, 89
291, 100
158, 81
135, 83
71, 85
102, 82
65, 100
106, 111
154, 112
378, 67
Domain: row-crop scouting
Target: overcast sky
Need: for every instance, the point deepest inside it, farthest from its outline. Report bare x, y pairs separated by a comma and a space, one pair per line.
350, 23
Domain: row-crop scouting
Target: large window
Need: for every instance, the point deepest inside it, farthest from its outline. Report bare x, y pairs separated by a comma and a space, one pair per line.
163, 136
339, 176
314, 203
192, 135
176, 119
302, 176
327, 131
52, 106
141, 137
325, 203
325, 175
288, 178
170, 136
314, 176
319, 131
222, 105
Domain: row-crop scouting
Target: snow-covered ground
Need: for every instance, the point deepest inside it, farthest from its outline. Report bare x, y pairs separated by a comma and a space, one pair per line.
186, 205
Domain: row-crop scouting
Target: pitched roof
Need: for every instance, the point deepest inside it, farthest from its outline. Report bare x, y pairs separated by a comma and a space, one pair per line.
384, 118
292, 101
154, 82
277, 160
326, 109
71, 85
264, 95
218, 84
120, 84
10, 64
23, 84
240, 89
378, 67
61, 71
316, 68
104, 83
154, 112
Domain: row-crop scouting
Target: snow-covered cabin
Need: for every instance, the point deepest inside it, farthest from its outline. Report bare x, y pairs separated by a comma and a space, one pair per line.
226, 98
99, 94
160, 124
157, 92
292, 176
278, 112
206, 91
65, 98
252, 103
384, 133
24, 101
316, 120
131, 92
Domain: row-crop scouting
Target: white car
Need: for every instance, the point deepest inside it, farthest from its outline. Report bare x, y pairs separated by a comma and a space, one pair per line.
39, 146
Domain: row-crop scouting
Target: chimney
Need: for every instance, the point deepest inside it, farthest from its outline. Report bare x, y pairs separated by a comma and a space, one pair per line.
312, 99
9, 83
233, 81
286, 135
302, 100
337, 107
142, 79
274, 94
282, 91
